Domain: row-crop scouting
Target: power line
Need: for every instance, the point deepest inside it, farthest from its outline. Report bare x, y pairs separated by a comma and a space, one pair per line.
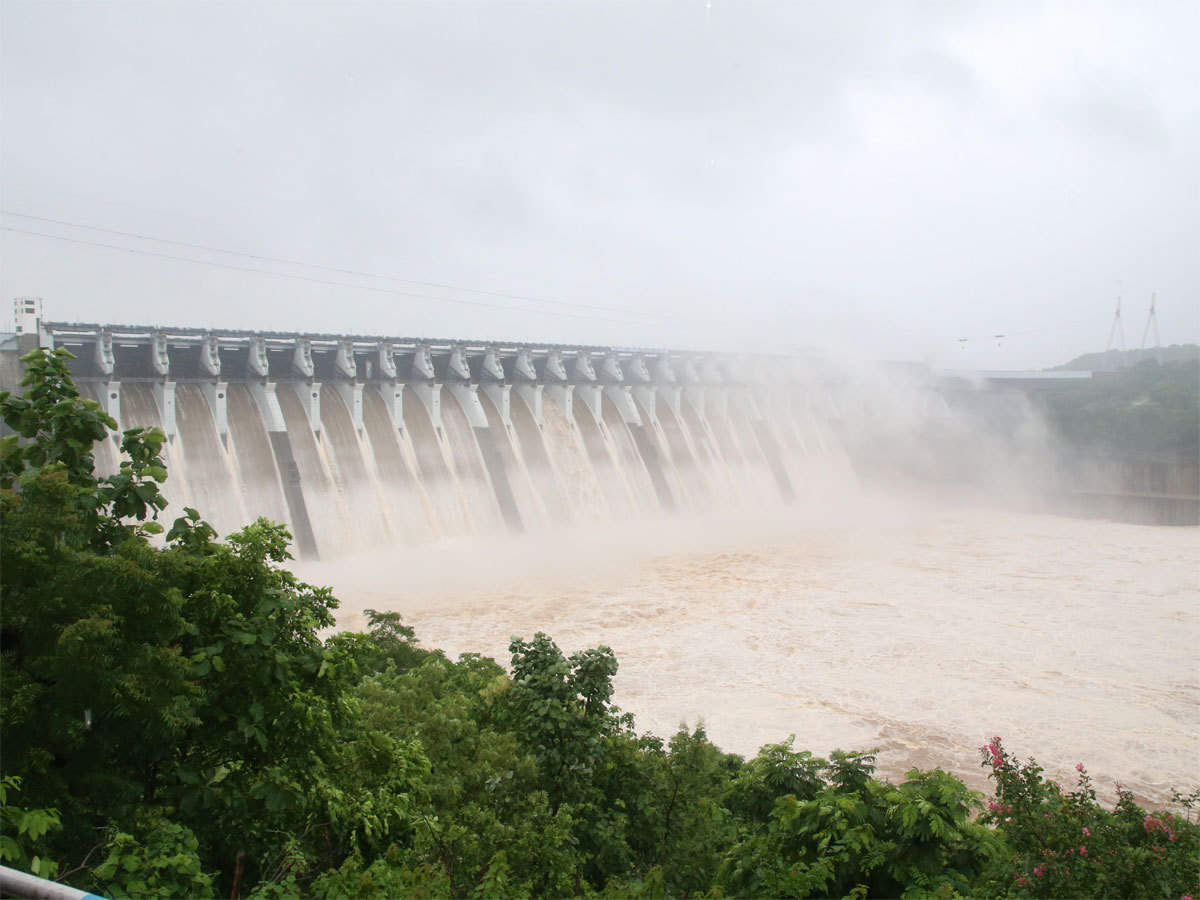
1055, 329
1151, 319
361, 287
641, 318
336, 269
1118, 327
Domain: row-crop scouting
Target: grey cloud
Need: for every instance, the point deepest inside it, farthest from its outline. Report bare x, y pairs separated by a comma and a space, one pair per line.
774, 170
1114, 110
940, 72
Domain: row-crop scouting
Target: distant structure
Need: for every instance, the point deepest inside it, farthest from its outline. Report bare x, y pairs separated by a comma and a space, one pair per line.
1117, 327
1151, 319
27, 321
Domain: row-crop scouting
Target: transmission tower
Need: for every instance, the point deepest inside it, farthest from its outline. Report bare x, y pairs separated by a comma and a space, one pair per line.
1151, 319
1117, 327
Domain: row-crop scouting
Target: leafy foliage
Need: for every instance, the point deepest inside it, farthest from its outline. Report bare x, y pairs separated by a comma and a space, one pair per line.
1065, 844
178, 726
859, 833
55, 430
189, 677
22, 832
560, 710
163, 861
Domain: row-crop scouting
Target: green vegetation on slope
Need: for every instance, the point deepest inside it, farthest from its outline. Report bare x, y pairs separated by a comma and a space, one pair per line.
174, 725
1114, 360
1149, 408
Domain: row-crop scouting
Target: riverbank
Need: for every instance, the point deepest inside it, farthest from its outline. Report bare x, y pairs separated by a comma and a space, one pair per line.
920, 630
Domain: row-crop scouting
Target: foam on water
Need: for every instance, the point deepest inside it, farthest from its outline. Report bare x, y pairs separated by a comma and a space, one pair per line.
849, 621
917, 630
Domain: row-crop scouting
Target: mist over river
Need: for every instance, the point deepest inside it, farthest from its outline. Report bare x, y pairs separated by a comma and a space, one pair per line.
912, 628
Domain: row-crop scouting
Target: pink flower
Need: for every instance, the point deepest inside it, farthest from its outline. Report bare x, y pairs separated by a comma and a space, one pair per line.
1039, 871
993, 750
1152, 824
1087, 831
1078, 767
1022, 882
1083, 851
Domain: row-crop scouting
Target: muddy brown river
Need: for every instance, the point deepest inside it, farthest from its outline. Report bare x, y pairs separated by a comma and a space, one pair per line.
914, 629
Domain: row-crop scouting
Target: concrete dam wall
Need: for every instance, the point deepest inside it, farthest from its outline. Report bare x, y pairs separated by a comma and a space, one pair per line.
360, 442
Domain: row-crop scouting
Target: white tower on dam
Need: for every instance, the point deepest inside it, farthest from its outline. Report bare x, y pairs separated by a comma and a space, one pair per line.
27, 320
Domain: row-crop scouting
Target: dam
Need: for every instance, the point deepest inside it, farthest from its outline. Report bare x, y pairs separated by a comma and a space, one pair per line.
802, 605
357, 442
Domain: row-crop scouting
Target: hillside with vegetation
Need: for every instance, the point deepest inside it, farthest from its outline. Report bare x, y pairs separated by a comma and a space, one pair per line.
178, 721
1115, 360
1150, 404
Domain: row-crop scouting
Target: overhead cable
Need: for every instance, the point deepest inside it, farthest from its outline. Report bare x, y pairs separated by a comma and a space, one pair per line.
325, 281
279, 260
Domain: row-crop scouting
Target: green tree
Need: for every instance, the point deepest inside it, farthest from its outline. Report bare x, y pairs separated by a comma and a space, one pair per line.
859, 833
695, 826
188, 678
54, 432
23, 832
561, 711
1065, 844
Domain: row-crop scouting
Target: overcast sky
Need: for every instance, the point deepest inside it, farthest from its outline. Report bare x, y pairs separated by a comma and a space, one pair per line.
875, 179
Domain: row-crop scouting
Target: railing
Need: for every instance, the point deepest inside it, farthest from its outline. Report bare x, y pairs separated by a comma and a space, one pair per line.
29, 887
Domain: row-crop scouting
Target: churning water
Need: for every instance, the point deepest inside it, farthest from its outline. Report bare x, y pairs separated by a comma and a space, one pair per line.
918, 630
849, 620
